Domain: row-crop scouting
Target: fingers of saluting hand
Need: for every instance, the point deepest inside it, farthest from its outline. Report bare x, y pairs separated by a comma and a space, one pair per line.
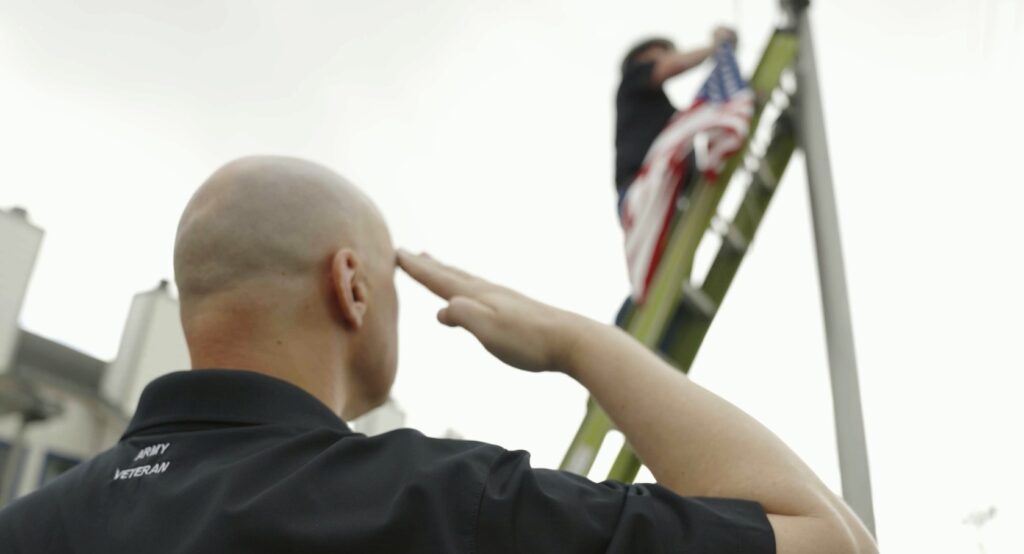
442, 280
463, 311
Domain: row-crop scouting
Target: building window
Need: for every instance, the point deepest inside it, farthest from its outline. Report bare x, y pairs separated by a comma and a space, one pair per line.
6, 462
54, 466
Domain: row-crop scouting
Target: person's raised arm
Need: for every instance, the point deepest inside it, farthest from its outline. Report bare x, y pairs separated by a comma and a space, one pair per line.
674, 63
694, 442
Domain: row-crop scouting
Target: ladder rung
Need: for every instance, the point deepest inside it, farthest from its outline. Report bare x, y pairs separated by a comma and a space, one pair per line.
731, 236
735, 239
581, 460
699, 301
765, 176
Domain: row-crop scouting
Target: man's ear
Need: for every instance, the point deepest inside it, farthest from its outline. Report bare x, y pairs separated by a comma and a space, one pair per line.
349, 287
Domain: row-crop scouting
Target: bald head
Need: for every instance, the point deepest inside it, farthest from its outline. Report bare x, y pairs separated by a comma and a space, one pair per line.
282, 252
269, 219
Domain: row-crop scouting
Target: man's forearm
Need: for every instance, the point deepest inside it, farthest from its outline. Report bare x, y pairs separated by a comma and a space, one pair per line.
693, 441
693, 58
678, 62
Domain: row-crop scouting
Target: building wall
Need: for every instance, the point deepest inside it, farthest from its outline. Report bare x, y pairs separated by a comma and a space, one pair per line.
19, 246
83, 429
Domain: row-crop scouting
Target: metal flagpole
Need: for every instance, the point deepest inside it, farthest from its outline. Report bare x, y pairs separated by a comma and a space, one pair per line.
853, 458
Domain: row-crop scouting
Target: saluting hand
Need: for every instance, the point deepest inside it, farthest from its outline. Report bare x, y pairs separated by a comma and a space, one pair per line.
520, 331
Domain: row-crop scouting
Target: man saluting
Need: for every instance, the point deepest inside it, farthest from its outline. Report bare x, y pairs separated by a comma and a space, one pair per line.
286, 273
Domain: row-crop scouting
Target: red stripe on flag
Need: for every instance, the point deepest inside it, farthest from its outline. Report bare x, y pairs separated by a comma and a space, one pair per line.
666, 224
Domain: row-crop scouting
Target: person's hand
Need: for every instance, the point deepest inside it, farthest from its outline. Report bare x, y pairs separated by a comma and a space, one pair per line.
722, 35
518, 330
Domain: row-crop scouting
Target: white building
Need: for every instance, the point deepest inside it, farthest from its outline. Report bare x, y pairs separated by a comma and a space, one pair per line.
59, 406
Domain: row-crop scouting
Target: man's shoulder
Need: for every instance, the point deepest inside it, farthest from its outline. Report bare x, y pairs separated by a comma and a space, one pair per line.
637, 80
408, 445
413, 461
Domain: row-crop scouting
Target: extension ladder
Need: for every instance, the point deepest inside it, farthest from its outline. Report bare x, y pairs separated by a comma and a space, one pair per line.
677, 314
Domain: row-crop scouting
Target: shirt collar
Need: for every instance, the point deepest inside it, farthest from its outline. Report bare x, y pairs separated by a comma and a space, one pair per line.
229, 396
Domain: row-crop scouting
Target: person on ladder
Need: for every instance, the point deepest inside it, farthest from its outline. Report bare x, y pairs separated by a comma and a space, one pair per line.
660, 150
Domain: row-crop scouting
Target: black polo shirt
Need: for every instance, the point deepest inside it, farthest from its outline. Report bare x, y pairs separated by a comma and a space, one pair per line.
226, 461
642, 110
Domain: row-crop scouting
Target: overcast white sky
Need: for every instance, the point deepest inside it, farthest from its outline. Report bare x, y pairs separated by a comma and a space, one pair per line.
484, 131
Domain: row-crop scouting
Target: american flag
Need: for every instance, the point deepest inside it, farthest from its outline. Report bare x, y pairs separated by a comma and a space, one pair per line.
712, 128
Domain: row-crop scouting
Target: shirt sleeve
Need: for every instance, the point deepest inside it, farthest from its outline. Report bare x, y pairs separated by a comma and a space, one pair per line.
525, 510
638, 78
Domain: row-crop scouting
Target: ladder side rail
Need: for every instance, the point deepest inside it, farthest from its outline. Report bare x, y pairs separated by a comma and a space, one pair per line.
685, 339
